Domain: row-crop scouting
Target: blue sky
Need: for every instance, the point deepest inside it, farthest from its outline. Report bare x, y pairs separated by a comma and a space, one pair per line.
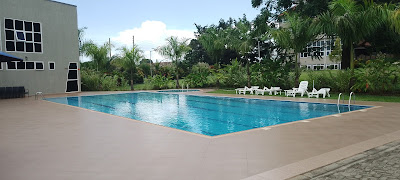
152, 21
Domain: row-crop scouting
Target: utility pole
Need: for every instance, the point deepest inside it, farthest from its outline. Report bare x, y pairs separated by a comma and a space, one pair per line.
109, 43
151, 62
133, 47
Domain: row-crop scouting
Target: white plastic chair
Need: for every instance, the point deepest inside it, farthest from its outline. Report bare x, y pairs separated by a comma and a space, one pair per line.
301, 90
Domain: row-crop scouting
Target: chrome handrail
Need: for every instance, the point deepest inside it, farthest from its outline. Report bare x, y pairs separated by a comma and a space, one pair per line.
338, 101
352, 93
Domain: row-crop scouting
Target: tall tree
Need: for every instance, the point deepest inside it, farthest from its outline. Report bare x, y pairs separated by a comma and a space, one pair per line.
353, 22
98, 54
299, 32
241, 39
129, 60
175, 50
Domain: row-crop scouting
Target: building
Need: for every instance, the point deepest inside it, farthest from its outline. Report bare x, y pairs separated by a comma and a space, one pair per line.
320, 49
44, 34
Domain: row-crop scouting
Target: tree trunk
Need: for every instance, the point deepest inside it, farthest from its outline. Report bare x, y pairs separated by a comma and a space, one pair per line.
346, 50
297, 70
248, 74
132, 81
352, 79
177, 76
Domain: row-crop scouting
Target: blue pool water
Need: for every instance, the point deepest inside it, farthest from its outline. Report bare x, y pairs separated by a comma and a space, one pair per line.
206, 115
179, 90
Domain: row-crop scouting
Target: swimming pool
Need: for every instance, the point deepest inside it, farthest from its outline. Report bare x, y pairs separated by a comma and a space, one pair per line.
179, 90
207, 115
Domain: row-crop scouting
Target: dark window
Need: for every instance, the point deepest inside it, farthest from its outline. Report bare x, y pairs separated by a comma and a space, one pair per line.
37, 37
20, 65
30, 65
72, 86
28, 36
19, 25
9, 35
73, 66
36, 27
38, 47
10, 45
39, 65
20, 36
73, 74
11, 65
1, 65
20, 46
28, 26
9, 24
29, 47
52, 66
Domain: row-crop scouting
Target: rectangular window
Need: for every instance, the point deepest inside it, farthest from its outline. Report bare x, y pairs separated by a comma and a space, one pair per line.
1, 65
20, 36
30, 65
73, 66
23, 36
9, 35
39, 65
20, 46
21, 65
9, 24
73, 74
28, 26
52, 65
29, 47
11, 65
10, 45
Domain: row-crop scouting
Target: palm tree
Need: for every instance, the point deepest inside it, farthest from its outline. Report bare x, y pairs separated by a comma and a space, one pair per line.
175, 50
299, 32
129, 60
98, 54
352, 22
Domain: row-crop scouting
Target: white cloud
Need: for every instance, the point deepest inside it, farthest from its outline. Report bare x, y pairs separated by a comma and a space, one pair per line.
151, 34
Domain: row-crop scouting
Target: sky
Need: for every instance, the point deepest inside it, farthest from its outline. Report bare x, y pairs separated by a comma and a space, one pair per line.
151, 22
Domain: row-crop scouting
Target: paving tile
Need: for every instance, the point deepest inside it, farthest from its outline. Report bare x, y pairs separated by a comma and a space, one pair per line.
53, 141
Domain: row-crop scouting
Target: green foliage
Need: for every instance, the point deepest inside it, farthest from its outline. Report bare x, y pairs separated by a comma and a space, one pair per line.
198, 76
96, 81
300, 31
337, 80
175, 49
271, 73
236, 75
336, 54
377, 76
98, 54
158, 82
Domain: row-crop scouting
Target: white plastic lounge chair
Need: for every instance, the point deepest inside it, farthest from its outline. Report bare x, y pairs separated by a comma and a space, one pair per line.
262, 91
323, 91
243, 90
275, 90
301, 90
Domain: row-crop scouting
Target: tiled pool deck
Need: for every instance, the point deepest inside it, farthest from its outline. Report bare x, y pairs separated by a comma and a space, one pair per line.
44, 140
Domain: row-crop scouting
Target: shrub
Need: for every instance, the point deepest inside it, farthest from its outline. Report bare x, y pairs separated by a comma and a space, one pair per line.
158, 82
198, 76
377, 76
96, 81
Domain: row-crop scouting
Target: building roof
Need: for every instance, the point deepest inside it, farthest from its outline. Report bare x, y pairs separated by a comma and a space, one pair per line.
62, 3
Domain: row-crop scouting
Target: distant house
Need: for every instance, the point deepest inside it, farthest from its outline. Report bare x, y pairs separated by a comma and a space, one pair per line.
44, 34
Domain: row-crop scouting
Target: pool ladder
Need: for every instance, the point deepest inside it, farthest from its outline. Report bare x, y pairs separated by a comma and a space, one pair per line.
352, 94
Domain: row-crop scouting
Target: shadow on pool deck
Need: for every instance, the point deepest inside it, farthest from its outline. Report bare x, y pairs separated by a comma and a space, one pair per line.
43, 140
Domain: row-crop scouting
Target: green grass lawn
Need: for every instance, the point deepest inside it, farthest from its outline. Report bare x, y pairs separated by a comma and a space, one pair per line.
359, 96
